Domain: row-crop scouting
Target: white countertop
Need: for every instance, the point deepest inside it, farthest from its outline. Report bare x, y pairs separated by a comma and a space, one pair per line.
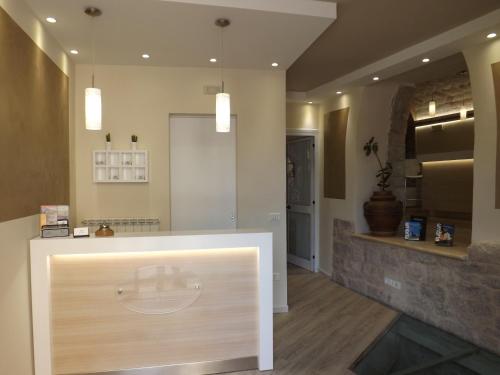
158, 234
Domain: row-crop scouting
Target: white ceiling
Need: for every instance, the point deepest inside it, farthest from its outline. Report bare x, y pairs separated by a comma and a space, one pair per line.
182, 32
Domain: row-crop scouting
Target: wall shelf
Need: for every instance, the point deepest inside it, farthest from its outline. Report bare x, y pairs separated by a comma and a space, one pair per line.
115, 166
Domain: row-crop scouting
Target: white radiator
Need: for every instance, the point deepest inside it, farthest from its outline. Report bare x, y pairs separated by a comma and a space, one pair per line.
127, 224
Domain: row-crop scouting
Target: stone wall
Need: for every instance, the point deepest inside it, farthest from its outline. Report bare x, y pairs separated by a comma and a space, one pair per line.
449, 93
461, 297
396, 150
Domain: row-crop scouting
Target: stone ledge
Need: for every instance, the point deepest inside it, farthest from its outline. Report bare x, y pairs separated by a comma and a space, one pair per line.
459, 252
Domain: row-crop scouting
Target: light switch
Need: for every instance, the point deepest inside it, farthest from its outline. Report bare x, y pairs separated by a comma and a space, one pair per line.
274, 217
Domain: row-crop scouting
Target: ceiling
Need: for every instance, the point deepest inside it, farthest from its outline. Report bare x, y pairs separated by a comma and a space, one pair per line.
369, 30
182, 32
448, 67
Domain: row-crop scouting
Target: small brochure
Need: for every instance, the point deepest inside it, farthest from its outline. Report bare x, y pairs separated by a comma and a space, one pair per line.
444, 234
413, 230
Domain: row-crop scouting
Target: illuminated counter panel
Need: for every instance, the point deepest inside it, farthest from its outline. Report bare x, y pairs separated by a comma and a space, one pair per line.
181, 302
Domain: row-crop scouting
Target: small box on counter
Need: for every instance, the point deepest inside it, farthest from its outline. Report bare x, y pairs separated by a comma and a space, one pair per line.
51, 231
444, 234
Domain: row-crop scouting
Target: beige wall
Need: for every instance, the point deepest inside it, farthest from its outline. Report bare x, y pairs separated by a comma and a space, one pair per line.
138, 100
370, 111
16, 354
485, 218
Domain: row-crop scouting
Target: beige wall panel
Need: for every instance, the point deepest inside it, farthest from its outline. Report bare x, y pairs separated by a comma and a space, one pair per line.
452, 138
496, 81
34, 118
447, 186
335, 157
93, 331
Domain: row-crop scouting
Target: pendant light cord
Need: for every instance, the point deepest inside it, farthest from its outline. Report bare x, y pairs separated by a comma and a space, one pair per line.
93, 50
222, 57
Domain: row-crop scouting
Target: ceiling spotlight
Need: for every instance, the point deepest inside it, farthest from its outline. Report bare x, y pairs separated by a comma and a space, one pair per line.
51, 20
74, 52
426, 60
376, 78
275, 64
491, 35
213, 60
145, 56
339, 92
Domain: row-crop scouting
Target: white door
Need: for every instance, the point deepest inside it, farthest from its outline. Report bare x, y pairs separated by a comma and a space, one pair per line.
300, 201
202, 174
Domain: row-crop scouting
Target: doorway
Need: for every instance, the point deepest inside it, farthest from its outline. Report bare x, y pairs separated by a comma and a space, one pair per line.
301, 200
202, 174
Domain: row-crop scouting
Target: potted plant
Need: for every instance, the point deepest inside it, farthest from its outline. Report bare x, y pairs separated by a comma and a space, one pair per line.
108, 141
383, 212
134, 142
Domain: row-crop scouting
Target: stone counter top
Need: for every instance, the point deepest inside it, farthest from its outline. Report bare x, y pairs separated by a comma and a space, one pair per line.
459, 251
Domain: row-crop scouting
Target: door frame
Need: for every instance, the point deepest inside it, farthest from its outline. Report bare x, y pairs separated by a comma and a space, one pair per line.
315, 134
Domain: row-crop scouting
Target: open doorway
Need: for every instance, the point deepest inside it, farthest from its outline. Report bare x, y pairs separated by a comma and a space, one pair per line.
302, 249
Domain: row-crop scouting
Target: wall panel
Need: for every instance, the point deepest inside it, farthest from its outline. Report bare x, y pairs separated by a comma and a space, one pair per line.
34, 123
335, 159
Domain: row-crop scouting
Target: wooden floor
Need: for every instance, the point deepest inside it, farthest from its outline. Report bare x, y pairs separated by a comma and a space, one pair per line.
326, 329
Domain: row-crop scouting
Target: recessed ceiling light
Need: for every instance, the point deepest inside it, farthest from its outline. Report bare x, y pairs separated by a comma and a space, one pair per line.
275, 64
145, 56
213, 60
309, 102
74, 51
339, 92
426, 60
376, 78
491, 35
51, 20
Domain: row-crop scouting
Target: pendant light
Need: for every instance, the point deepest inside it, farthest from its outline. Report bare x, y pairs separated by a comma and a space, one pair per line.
432, 107
222, 99
93, 101
463, 110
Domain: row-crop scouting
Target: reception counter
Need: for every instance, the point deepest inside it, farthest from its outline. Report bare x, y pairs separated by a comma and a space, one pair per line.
159, 303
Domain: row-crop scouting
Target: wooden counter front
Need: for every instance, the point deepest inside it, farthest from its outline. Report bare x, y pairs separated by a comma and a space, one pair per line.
111, 308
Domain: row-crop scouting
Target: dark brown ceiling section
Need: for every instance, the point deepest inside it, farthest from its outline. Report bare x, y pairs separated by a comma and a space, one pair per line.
368, 30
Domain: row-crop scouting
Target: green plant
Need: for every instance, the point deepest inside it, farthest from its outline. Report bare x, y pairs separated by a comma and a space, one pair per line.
384, 173
108, 137
134, 138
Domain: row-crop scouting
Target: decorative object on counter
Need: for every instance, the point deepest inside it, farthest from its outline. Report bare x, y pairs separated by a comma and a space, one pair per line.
93, 100
104, 231
81, 232
134, 142
108, 141
383, 212
444, 234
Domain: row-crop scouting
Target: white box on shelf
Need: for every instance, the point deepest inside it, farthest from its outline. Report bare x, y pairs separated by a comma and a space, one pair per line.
120, 166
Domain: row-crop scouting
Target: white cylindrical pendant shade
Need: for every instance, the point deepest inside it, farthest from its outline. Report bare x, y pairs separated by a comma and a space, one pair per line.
223, 113
463, 113
93, 109
432, 108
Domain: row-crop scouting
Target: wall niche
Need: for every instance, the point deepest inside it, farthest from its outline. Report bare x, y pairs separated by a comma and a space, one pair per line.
434, 174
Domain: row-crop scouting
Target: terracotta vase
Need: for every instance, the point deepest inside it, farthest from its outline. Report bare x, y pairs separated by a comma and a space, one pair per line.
383, 213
